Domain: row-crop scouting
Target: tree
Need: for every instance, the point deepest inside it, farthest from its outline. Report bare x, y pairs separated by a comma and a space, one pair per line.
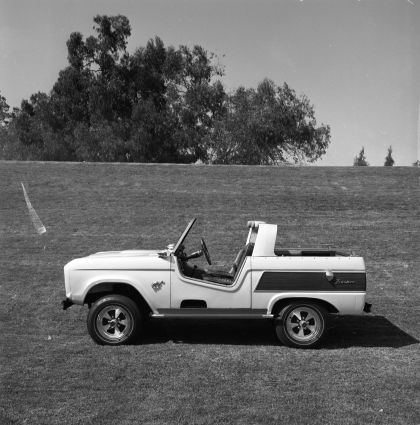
161, 104
10, 146
4, 112
389, 161
269, 125
180, 100
360, 160
158, 104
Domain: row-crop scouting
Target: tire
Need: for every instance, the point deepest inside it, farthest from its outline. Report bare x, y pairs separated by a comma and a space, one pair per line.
301, 325
114, 320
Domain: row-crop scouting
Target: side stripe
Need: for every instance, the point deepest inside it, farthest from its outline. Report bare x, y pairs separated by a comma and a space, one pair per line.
311, 281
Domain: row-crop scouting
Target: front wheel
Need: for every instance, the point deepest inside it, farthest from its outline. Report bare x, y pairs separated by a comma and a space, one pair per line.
301, 325
114, 320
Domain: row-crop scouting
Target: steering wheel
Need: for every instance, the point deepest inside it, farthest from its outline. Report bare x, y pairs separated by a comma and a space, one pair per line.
205, 251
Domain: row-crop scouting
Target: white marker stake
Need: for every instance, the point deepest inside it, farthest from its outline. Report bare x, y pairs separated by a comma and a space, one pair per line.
36, 221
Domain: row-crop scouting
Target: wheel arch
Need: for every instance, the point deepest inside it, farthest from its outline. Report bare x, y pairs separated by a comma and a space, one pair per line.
279, 304
101, 289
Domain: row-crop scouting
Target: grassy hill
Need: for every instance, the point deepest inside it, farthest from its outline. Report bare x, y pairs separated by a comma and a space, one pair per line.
212, 372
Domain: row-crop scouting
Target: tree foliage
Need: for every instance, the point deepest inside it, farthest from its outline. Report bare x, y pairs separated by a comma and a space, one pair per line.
4, 112
160, 104
360, 160
389, 160
268, 125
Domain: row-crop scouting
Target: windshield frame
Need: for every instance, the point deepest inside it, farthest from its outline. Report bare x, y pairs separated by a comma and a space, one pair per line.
183, 236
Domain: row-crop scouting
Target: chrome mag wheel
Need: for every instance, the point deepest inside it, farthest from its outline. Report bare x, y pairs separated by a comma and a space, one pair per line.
301, 325
114, 323
304, 324
114, 320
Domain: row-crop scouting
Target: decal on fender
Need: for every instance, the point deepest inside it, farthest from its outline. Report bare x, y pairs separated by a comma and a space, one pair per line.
157, 286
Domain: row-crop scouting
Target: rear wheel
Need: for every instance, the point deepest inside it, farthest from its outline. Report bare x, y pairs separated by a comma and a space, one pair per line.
114, 320
301, 325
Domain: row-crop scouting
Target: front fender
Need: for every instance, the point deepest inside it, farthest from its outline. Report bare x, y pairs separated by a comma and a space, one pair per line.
80, 292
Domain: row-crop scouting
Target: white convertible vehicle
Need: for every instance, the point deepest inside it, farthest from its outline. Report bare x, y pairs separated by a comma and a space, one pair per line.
296, 288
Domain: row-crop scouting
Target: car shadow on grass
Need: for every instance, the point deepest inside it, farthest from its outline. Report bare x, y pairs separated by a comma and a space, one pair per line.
211, 331
343, 332
366, 331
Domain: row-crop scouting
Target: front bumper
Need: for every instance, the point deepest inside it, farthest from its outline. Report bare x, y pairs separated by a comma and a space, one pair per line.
66, 303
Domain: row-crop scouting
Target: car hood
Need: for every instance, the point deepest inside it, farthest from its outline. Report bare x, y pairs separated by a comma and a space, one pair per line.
121, 260
126, 253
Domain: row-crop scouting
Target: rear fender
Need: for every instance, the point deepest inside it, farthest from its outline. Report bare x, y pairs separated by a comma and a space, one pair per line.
343, 302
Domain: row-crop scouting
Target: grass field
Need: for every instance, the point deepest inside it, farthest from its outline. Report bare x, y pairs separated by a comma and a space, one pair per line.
208, 372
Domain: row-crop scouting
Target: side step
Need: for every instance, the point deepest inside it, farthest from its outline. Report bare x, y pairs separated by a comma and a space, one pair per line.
211, 313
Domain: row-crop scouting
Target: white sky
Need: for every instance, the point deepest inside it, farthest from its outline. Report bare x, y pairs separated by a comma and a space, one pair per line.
357, 61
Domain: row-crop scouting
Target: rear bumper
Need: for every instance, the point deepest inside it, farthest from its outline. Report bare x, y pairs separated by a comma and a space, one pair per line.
66, 303
367, 308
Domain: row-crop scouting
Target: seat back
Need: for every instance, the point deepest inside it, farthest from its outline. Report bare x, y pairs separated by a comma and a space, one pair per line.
240, 258
237, 262
227, 278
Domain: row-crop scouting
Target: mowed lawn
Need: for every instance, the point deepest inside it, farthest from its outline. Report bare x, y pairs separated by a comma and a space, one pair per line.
207, 372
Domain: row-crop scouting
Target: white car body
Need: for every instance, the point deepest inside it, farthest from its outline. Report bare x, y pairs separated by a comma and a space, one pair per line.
265, 280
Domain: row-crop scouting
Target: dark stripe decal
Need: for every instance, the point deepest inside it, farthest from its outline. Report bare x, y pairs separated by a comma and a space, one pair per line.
311, 281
